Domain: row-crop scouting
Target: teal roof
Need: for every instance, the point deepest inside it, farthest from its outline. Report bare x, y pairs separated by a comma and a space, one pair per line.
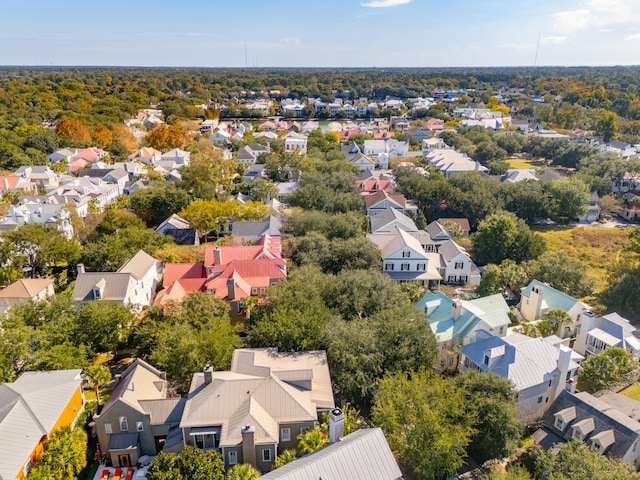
551, 298
492, 310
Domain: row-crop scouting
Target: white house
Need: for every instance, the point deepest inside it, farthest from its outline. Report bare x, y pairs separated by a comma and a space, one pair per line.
404, 259
363, 162
295, 142
181, 158
382, 200
597, 334
134, 284
540, 368
450, 162
374, 148
51, 214
459, 268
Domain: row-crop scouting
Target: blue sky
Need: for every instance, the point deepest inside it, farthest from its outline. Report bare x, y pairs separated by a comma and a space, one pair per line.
314, 33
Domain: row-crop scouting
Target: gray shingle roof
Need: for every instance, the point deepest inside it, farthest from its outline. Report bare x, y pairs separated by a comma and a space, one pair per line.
362, 455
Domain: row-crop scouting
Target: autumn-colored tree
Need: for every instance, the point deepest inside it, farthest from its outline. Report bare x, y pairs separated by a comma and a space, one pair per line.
73, 130
164, 137
101, 136
121, 136
209, 215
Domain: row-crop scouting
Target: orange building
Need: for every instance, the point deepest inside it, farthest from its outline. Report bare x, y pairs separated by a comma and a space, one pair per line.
30, 409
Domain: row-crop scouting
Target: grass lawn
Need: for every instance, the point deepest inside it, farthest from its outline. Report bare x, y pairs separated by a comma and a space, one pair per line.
520, 163
597, 248
632, 392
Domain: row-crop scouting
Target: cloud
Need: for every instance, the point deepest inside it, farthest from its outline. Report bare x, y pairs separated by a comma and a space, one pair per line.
571, 20
291, 41
634, 36
554, 40
384, 3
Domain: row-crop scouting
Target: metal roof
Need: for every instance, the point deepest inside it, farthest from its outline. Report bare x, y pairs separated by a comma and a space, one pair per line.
362, 455
552, 298
123, 441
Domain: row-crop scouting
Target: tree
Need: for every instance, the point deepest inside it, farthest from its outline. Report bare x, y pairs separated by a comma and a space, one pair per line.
607, 125
339, 225
490, 398
164, 137
243, 471
38, 247
98, 375
192, 463
504, 236
310, 441
64, 454
422, 412
123, 139
208, 175
101, 136
503, 278
73, 131
285, 457
556, 319
104, 326
568, 200
606, 369
561, 272
262, 190
573, 460
516, 472
159, 201
209, 215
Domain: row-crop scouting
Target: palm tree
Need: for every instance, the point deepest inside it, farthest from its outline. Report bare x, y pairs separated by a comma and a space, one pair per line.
312, 440
243, 471
65, 453
98, 376
285, 457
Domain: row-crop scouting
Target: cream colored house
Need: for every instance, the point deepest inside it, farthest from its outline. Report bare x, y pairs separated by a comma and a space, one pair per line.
25, 290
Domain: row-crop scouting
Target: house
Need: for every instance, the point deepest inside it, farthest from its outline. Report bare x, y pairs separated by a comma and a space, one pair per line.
285, 189
514, 175
450, 162
249, 153
295, 142
404, 259
540, 368
220, 136
34, 406
250, 231
181, 158
146, 155
390, 220
592, 209
434, 125
253, 172
181, 279
49, 214
180, 230
597, 334
456, 322
16, 184
372, 184
537, 297
382, 200
363, 162
139, 418
608, 425
463, 223
458, 268
41, 175
419, 134
433, 143
361, 455
208, 126
25, 290
255, 411
397, 147
374, 148
133, 284
115, 176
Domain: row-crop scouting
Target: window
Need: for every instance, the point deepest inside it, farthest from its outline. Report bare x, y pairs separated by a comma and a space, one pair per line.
124, 425
285, 434
422, 267
139, 426
303, 430
200, 441
486, 359
262, 289
232, 458
459, 265
404, 267
559, 423
254, 290
539, 399
107, 429
596, 447
577, 434
388, 266
266, 455
406, 254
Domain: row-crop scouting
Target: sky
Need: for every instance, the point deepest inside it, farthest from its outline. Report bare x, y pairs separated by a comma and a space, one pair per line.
320, 33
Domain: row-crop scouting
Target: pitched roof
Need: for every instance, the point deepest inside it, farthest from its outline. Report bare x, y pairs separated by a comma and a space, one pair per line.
392, 243
463, 222
139, 265
266, 247
29, 409
362, 455
182, 271
25, 288
246, 275
378, 197
252, 230
389, 215
116, 286
551, 297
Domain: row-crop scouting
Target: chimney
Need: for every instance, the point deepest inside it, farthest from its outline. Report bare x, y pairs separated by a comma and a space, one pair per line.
248, 445
80, 268
217, 256
456, 309
231, 289
563, 366
336, 425
586, 322
6, 183
208, 373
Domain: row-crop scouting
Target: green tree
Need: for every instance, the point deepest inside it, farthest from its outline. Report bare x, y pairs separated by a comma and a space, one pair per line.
98, 375
262, 190
285, 457
606, 369
500, 278
64, 454
156, 203
568, 200
607, 125
573, 460
503, 236
423, 412
243, 471
561, 272
104, 326
192, 463
514, 473
311, 440
490, 398
557, 319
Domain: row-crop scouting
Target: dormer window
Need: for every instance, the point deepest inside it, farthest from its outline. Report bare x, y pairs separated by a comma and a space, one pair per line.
559, 423
486, 360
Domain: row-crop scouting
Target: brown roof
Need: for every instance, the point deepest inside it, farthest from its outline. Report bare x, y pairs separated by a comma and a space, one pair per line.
25, 288
463, 222
371, 200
